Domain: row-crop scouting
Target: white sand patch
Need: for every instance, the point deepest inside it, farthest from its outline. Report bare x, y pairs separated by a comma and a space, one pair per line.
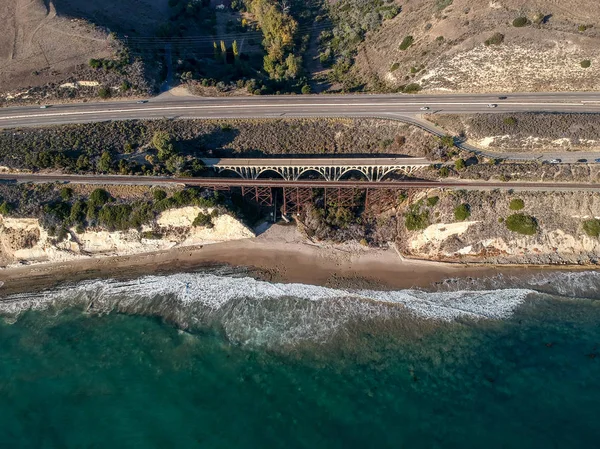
437, 233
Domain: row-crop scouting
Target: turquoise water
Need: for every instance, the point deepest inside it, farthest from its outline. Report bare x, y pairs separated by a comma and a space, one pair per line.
195, 362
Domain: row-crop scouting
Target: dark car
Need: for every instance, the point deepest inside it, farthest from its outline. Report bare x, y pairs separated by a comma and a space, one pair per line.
502, 98
596, 160
582, 160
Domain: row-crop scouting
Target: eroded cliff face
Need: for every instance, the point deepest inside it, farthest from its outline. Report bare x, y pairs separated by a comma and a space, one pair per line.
23, 240
484, 236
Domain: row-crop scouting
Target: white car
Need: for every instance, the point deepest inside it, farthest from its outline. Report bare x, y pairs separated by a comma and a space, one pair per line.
44, 106
492, 105
554, 161
425, 108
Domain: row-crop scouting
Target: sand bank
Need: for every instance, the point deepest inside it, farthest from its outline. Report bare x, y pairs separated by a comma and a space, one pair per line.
280, 254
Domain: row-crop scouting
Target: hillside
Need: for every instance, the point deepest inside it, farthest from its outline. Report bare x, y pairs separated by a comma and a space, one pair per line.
445, 46
45, 54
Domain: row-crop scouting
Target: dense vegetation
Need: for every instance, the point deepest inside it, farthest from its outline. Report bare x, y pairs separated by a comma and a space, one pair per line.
522, 224
60, 209
351, 20
592, 227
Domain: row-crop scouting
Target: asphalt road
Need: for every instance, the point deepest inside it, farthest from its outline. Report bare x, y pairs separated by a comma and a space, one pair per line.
316, 162
318, 183
298, 106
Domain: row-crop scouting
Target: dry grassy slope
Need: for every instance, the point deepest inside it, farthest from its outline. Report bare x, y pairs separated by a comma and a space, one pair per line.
533, 58
48, 41
35, 38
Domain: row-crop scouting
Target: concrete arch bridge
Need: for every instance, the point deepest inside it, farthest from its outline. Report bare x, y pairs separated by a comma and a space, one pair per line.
330, 169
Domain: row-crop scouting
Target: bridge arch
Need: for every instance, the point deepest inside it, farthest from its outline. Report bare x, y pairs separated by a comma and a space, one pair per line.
346, 171
262, 171
234, 170
306, 170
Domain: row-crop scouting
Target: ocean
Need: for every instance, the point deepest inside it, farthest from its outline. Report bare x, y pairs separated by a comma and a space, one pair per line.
216, 359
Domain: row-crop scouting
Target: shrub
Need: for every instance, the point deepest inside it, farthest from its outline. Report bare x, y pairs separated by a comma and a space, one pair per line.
462, 212
586, 63
305, 89
592, 227
442, 4
510, 121
516, 204
406, 42
522, 224
582, 28
394, 67
159, 195
125, 86
104, 92
415, 220
115, 217
412, 88
432, 201
444, 172
447, 141
66, 193
496, 39
203, 220
459, 164
99, 197
95, 63
520, 22
5, 208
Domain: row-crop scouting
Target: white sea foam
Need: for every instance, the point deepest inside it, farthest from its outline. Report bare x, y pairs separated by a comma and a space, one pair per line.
252, 311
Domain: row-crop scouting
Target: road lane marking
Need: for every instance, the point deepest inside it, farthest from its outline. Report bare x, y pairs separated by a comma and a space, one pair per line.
251, 107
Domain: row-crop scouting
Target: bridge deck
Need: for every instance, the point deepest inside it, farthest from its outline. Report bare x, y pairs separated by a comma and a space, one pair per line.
316, 162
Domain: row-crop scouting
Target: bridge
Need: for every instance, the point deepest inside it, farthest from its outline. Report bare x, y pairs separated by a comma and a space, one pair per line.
330, 169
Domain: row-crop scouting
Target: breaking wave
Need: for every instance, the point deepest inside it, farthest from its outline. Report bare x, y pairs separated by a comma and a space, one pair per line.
250, 311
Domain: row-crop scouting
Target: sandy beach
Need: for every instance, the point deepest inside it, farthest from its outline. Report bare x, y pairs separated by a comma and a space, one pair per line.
280, 254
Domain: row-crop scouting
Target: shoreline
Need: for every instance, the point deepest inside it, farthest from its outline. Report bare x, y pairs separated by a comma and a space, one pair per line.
279, 255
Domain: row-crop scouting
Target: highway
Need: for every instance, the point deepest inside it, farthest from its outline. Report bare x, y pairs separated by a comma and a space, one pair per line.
318, 183
395, 105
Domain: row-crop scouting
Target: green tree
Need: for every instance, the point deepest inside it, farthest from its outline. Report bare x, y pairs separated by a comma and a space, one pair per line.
462, 212
99, 197
66, 193
163, 144
105, 162
459, 164
104, 93
203, 220
306, 89
592, 227
447, 141
522, 224
586, 63
224, 51
235, 50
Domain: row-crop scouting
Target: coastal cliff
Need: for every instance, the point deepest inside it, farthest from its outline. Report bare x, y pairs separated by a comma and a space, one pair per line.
25, 240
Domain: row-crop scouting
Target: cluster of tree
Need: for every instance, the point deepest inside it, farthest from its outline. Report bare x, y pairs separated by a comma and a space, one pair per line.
101, 209
279, 30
